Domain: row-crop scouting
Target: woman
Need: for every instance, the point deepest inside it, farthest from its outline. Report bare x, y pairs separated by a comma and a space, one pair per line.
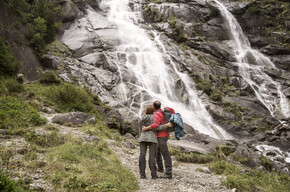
146, 139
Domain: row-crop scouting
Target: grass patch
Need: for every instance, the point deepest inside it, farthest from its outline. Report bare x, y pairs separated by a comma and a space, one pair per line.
46, 140
83, 166
16, 113
191, 157
252, 180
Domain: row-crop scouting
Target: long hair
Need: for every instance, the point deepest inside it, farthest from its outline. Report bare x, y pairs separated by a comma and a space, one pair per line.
150, 109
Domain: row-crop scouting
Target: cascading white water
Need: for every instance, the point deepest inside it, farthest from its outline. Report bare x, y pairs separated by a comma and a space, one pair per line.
152, 78
251, 64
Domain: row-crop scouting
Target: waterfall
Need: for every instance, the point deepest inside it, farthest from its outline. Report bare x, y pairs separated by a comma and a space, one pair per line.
150, 77
251, 64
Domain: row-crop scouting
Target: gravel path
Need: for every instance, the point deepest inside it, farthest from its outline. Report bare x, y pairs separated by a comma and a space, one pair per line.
187, 177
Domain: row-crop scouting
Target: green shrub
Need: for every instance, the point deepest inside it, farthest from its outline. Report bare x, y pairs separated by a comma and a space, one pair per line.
69, 97
42, 19
216, 95
13, 86
206, 86
49, 78
8, 64
10, 86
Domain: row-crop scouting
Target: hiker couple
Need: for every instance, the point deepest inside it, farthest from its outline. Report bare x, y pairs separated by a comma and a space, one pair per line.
154, 133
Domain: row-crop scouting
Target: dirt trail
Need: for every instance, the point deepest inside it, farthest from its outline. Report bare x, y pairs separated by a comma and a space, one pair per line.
187, 177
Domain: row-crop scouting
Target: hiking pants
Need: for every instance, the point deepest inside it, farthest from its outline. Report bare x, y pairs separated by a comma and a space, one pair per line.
163, 150
142, 158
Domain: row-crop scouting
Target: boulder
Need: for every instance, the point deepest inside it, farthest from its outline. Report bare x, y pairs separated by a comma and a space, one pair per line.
75, 118
69, 10
246, 156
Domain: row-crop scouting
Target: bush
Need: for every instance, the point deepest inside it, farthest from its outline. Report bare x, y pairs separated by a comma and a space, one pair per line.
205, 86
8, 64
69, 97
216, 95
13, 86
49, 78
10, 85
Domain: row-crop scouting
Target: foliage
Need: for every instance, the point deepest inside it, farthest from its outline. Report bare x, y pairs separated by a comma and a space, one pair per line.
8, 64
65, 97
10, 86
251, 180
205, 85
15, 113
71, 98
45, 140
177, 31
216, 95
49, 78
267, 163
7, 185
191, 157
42, 19
82, 166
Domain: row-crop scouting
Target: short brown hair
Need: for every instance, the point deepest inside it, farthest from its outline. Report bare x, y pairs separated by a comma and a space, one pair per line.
157, 104
150, 109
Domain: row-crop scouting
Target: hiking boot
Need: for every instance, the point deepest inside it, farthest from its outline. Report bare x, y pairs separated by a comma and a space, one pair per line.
160, 170
142, 177
166, 176
155, 177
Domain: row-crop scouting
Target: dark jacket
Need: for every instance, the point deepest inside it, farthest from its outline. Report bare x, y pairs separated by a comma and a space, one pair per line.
148, 136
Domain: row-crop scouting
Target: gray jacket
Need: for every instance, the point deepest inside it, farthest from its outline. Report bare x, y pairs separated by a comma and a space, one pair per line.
148, 136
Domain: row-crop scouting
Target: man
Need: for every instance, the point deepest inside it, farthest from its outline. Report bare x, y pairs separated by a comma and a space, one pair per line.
162, 142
